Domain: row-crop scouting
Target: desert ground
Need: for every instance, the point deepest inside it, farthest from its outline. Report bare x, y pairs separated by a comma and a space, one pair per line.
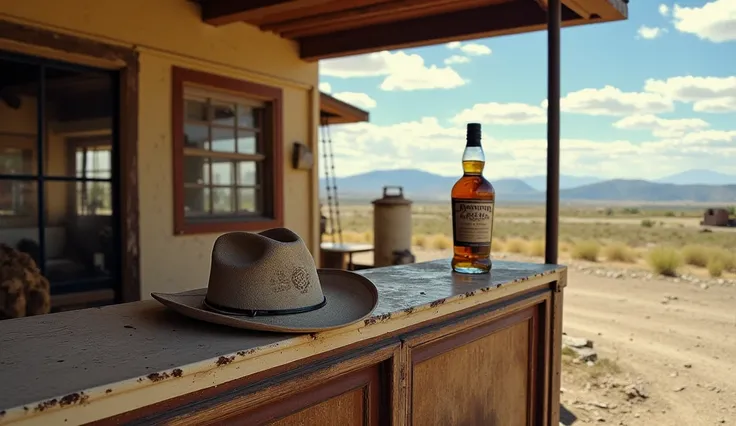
653, 293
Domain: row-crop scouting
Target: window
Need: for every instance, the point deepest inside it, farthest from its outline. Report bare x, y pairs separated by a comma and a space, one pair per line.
16, 197
227, 154
93, 198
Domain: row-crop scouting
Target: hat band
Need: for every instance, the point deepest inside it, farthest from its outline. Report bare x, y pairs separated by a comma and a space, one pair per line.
261, 312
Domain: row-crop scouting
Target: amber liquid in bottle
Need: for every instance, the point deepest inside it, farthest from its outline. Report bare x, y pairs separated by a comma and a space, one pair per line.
473, 205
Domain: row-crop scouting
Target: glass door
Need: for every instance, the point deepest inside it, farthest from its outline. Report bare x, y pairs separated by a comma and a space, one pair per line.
59, 173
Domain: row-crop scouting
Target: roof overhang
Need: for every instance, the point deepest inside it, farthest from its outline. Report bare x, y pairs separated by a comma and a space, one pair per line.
335, 111
333, 28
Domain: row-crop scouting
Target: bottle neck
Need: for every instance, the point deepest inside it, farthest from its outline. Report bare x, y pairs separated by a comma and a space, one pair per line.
473, 160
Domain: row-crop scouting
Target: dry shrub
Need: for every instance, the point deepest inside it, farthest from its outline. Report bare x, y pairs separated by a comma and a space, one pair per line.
665, 260
695, 255
536, 248
441, 242
619, 252
720, 260
564, 247
420, 241
586, 250
715, 267
516, 245
497, 245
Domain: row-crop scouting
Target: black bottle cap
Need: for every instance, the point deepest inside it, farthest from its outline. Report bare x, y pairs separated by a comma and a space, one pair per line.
473, 135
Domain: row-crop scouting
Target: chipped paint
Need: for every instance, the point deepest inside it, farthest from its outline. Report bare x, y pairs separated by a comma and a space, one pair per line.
407, 294
224, 360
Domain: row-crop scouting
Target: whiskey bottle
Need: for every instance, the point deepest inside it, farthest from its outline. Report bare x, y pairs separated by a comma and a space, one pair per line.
473, 199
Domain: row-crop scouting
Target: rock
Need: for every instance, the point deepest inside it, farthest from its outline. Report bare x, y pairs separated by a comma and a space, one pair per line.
678, 389
585, 354
688, 365
704, 286
576, 342
636, 391
599, 404
673, 374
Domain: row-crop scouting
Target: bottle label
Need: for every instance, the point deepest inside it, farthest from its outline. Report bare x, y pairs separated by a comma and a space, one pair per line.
472, 222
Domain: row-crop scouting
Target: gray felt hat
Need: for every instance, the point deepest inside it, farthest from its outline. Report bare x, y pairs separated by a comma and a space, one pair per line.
268, 281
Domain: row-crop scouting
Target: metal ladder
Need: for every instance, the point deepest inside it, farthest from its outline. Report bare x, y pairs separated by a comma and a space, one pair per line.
333, 204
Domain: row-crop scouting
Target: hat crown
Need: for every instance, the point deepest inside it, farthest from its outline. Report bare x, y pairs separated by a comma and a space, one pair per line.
271, 270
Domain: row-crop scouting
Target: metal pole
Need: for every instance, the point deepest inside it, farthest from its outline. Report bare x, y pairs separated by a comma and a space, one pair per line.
553, 131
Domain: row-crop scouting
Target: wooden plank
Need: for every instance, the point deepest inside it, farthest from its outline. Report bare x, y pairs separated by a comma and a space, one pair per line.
489, 21
475, 23
370, 15
221, 12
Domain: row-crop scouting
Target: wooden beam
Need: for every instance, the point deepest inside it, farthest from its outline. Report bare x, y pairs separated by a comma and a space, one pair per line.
221, 12
508, 18
336, 111
370, 14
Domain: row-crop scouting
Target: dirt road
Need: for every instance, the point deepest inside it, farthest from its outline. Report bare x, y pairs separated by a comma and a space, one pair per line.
678, 337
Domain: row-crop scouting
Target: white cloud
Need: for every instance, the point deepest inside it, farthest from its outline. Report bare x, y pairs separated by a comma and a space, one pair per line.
360, 100
708, 94
714, 21
502, 113
325, 87
661, 127
401, 71
473, 49
428, 145
664, 10
650, 33
457, 59
612, 101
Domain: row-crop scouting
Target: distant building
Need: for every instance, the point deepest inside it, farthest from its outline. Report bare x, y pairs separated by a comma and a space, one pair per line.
716, 217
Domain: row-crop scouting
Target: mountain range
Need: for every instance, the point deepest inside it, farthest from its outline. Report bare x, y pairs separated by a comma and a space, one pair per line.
688, 186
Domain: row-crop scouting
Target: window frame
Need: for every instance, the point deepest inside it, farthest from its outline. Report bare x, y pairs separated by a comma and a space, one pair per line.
272, 192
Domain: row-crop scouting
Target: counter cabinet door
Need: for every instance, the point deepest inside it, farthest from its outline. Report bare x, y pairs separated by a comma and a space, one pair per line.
491, 374
344, 390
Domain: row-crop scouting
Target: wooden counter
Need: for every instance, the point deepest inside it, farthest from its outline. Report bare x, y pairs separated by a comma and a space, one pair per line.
441, 349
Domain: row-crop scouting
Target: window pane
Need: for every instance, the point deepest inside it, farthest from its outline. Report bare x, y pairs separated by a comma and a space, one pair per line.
223, 139
196, 169
223, 172
196, 110
196, 201
18, 218
223, 114
91, 161
79, 240
245, 116
247, 175
247, 142
247, 200
82, 102
18, 117
196, 136
92, 198
222, 200
17, 200
17, 159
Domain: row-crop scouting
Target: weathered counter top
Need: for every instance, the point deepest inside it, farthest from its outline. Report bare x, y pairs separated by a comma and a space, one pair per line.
89, 361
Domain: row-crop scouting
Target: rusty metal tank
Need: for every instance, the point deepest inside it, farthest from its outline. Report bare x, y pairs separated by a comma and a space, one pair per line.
392, 228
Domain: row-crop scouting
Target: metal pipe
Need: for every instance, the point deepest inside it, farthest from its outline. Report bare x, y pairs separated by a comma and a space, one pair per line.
551, 236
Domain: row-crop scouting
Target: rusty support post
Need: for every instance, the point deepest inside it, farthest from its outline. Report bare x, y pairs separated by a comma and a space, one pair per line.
553, 132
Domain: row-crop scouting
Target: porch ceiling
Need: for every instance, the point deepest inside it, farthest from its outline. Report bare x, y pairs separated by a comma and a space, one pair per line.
333, 28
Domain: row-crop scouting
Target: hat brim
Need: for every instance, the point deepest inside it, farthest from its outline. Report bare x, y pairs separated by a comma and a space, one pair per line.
350, 298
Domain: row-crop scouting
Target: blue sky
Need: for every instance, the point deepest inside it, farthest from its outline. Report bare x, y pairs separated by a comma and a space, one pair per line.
642, 98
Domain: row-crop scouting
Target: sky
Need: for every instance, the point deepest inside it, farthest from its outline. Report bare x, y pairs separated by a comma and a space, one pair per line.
643, 98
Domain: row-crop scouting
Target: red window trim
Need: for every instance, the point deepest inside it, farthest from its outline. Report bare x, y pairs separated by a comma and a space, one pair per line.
274, 158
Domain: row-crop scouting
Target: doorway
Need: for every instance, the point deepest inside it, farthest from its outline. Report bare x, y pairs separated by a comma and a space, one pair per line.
60, 177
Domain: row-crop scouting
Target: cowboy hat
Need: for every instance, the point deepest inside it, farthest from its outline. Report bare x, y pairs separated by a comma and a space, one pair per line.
268, 281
